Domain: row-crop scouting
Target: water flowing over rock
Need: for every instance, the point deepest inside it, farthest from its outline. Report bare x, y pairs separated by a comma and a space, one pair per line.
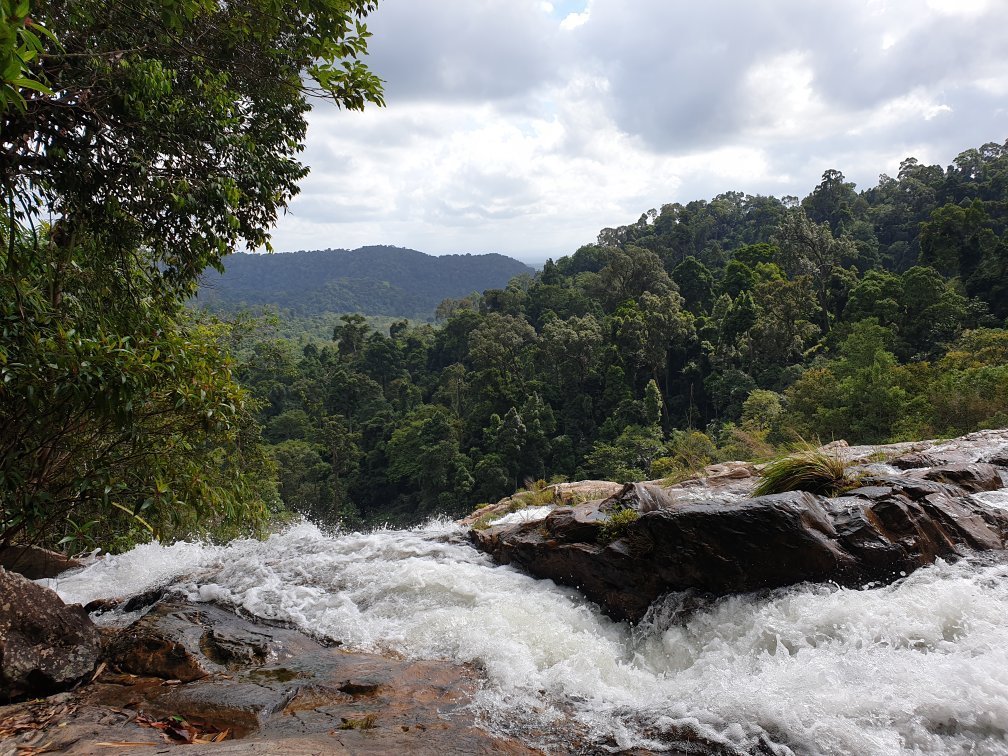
673, 541
909, 667
45, 645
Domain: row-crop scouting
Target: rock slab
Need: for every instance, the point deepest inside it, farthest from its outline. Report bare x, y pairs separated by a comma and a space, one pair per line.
876, 533
263, 689
34, 562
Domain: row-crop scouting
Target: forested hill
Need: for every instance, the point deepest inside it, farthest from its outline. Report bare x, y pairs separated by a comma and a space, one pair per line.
377, 280
705, 331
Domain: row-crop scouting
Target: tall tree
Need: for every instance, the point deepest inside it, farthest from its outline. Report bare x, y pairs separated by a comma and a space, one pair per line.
810, 249
167, 137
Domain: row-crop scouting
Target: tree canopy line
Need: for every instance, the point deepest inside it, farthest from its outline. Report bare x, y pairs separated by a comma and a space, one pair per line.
145, 140
716, 329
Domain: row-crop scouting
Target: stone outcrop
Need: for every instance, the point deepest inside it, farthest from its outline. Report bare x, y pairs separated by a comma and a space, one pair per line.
45, 645
555, 493
671, 539
199, 674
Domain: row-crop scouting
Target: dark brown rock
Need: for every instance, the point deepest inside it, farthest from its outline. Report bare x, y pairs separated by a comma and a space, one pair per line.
969, 477
36, 563
270, 689
876, 533
185, 642
45, 645
916, 460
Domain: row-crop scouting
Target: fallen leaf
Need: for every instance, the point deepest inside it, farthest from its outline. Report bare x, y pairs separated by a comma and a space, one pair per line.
101, 668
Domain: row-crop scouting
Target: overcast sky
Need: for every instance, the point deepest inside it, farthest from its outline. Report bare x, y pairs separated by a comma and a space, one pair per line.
524, 127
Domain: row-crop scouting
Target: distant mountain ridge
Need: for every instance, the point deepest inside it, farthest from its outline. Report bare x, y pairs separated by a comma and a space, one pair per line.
376, 280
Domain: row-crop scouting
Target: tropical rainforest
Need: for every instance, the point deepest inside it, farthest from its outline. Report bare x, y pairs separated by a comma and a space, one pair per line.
704, 331
144, 141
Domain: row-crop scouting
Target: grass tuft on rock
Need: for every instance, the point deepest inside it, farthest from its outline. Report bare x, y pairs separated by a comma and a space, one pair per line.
617, 524
367, 722
809, 470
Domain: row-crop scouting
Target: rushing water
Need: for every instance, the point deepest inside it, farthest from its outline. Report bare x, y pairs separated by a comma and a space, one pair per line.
916, 667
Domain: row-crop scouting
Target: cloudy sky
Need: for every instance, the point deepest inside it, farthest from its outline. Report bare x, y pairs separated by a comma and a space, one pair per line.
524, 126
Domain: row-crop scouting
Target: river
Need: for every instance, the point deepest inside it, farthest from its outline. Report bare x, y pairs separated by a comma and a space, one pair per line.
917, 667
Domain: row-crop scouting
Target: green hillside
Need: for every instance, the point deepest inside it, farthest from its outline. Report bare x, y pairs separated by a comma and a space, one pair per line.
378, 280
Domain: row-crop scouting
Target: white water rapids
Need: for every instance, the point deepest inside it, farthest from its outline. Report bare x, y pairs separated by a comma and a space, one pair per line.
917, 667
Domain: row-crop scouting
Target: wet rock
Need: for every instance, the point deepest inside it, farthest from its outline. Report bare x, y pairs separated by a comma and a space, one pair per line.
715, 548
916, 460
886, 528
178, 641
969, 477
267, 690
997, 457
36, 563
45, 645
125, 604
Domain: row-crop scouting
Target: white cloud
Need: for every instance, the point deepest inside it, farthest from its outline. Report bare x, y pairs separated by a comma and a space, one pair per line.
574, 20
967, 8
524, 126
780, 97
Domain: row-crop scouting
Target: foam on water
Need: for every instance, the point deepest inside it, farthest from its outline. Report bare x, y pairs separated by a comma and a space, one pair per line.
920, 667
528, 514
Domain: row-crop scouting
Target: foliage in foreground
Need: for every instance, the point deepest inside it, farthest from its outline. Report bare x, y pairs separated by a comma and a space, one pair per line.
142, 142
122, 421
617, 524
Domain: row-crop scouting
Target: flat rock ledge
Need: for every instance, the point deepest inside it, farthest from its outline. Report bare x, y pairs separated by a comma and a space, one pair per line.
710, 536
200, 676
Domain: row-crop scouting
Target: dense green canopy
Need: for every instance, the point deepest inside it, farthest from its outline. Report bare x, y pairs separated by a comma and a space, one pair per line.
708, 330
144, 140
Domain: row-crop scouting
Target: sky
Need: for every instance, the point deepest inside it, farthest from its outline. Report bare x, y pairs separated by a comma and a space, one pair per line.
524, 127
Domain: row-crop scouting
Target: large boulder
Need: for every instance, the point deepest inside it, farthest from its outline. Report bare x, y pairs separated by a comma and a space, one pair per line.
45, 645
178, 641
660, 544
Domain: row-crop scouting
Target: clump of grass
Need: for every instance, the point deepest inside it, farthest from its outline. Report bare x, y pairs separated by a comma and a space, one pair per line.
483, 521
367, 722
881, 455
535, 494
808, 470
616, 525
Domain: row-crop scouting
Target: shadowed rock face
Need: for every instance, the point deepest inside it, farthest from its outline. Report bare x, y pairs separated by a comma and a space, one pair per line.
890, 526
45, 645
